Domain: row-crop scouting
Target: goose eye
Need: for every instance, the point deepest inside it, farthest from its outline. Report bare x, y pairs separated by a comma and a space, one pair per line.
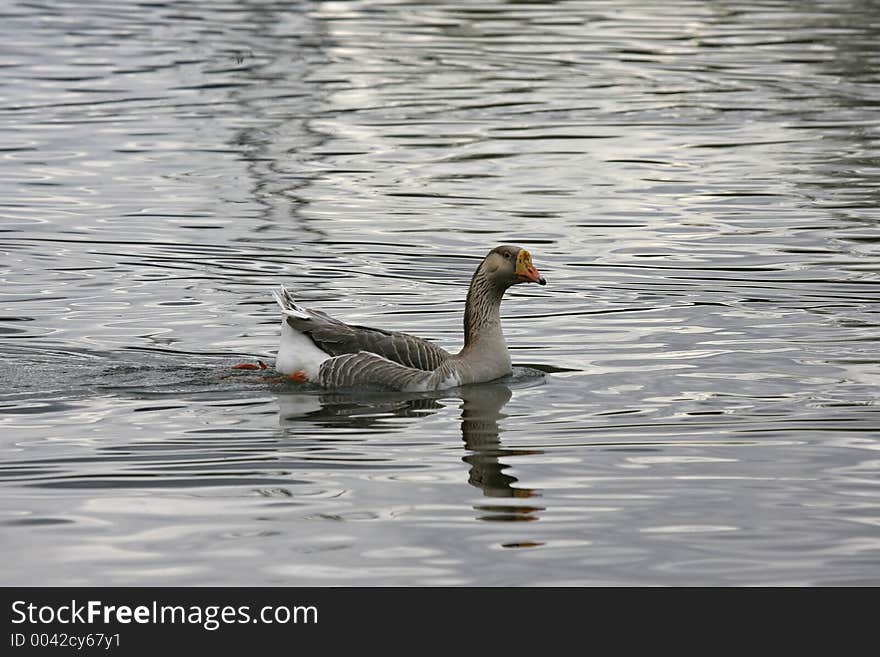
507, 256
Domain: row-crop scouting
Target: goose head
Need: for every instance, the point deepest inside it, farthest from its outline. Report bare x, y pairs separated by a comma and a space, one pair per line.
508, 265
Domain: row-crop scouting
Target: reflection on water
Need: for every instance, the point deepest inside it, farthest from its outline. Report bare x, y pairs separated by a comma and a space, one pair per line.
697, 181
481, 412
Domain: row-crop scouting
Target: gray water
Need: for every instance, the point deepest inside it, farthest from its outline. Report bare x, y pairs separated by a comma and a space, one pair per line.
698, 181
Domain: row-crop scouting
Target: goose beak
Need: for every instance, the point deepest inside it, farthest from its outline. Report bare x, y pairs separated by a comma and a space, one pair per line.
525, 270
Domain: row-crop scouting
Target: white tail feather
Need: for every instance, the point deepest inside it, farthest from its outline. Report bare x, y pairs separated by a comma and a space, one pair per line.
297, 352
288, 306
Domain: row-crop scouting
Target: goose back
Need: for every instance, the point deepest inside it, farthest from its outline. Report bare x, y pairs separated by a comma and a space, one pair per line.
337, 338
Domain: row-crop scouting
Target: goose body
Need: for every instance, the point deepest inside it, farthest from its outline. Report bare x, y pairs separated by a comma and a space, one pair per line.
321, 349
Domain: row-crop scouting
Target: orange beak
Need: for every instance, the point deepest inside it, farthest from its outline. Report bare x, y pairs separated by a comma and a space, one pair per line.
525, 270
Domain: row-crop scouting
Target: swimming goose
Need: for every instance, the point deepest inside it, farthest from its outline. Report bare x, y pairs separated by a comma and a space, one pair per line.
326, 351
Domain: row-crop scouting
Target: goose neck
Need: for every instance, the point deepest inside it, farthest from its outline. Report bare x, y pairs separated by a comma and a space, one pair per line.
482, 315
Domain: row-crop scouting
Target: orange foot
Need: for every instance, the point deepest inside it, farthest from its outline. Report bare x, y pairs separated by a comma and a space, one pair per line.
250, 366
299, 376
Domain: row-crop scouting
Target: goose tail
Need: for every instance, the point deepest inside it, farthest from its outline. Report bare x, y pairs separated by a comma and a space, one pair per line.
289, 307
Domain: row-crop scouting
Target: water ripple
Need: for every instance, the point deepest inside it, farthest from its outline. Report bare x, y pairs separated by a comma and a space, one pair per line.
698, 184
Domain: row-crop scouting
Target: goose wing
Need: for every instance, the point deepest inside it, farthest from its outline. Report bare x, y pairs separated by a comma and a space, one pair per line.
399, 348
369, 370
337, 338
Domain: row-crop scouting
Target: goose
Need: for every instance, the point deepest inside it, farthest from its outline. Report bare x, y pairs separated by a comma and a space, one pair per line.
323, 350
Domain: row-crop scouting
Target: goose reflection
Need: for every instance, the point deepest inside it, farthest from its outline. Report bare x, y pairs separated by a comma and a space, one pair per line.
481, 416
481, 412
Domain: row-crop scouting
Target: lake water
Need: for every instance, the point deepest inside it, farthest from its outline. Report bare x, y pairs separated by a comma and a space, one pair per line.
698, 181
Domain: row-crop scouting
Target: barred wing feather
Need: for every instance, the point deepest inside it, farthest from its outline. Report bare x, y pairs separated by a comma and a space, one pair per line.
338, 339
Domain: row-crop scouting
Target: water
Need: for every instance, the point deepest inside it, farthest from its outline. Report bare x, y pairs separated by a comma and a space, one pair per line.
699, 182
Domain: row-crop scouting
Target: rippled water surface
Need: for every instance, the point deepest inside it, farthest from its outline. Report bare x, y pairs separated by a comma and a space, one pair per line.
698, 181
